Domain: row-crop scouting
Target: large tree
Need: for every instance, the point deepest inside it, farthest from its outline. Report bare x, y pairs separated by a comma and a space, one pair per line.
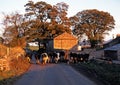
93, 23
43, 22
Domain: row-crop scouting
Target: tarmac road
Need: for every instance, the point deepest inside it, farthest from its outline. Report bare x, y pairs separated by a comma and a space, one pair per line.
53, 74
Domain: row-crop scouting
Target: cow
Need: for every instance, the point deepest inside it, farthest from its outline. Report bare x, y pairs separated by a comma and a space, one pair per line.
45, 58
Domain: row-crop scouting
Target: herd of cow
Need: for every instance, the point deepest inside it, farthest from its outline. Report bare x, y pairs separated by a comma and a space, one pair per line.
78, 57
56, 57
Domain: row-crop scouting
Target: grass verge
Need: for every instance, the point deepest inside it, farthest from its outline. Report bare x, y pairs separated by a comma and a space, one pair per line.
108, 74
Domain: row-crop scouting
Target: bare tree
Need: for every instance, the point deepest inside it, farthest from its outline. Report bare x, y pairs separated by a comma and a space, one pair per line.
12, 27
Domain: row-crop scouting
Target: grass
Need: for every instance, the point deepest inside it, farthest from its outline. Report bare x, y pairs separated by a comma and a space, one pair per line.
109, 74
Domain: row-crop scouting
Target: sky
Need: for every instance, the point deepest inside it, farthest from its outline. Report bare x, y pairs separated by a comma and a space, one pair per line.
75, 6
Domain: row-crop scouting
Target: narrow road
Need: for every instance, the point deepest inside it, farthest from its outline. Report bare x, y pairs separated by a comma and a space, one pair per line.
53, 74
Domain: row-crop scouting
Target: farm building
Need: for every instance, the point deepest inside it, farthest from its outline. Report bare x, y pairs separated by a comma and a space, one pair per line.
113, 52
64, 41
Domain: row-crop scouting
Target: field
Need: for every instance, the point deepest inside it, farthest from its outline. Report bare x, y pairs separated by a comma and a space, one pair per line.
33, 47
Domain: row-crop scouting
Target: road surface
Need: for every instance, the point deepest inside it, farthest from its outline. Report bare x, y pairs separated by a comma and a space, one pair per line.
53, 74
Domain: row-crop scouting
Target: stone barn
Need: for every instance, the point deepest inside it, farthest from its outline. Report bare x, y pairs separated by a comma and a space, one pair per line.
65, 41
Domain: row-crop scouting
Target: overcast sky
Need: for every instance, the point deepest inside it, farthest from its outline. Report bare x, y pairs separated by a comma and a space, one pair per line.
110, 6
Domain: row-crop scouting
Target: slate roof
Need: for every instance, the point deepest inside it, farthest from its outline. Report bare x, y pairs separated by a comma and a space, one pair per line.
114, 47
